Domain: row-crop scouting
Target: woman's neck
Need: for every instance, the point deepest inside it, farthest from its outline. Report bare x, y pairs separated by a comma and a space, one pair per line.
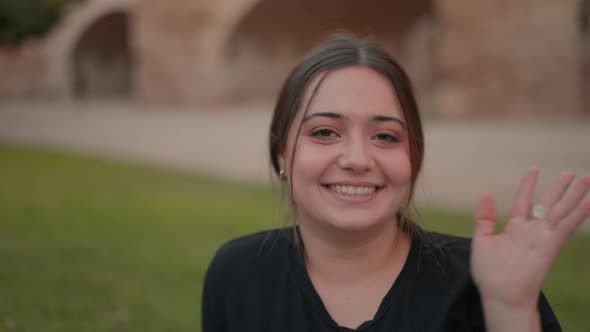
342, 257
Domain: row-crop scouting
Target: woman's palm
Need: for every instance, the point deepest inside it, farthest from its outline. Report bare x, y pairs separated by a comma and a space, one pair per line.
509, 267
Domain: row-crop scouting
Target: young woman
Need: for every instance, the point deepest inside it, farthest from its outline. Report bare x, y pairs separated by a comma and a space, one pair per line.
346, 140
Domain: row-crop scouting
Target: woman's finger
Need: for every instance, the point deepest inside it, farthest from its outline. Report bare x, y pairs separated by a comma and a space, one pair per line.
569, 201
556, 191
524, 195
485, 217
569, 225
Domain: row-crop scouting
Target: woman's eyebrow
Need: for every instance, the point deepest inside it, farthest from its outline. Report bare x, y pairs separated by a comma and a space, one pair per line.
376, 118
330, 115
385, 118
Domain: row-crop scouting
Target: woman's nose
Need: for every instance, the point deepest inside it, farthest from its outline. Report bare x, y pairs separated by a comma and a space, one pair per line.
356, 156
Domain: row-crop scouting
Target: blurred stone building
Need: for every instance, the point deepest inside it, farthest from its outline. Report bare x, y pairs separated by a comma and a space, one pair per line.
466, 58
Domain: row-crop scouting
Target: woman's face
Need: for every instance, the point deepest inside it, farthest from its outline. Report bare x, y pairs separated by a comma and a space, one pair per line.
351, 168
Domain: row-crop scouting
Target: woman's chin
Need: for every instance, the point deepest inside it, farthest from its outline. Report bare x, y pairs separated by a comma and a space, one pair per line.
358, 225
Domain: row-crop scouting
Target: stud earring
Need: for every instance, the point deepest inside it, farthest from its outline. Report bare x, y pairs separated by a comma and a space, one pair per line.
282, 173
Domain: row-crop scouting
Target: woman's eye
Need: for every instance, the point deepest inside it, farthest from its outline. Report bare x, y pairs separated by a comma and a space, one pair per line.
323, 133
387, 138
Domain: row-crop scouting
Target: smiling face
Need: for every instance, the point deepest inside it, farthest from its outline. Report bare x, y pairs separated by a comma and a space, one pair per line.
351, 168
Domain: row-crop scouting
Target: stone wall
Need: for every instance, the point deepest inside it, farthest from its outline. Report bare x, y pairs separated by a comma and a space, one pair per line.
584, 45
22, 70
244, 49
512, 58
467, 58
180, 43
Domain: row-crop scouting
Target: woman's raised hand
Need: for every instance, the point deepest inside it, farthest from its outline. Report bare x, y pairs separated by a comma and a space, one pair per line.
509, 267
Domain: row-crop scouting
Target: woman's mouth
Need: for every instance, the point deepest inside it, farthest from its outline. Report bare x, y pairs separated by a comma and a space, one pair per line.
353, 192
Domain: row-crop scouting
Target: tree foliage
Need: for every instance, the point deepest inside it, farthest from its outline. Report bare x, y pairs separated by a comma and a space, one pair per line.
22, 19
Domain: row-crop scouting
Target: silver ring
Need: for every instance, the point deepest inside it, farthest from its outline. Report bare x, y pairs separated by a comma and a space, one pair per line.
538, 212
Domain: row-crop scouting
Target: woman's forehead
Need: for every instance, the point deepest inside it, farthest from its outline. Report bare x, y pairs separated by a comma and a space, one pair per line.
354, 92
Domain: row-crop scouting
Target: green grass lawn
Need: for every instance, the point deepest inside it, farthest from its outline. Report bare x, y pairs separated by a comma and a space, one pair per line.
91, 245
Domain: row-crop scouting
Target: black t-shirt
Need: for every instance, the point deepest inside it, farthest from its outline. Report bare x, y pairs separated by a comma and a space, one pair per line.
259, 283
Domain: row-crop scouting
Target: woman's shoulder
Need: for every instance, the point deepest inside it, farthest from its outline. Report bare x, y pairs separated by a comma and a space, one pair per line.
254, 250
448, 254
259, 243
445, 260
435, 241
242, 272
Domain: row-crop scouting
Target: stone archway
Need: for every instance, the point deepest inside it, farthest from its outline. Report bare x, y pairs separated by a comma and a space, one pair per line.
101, 60
273, 35
66, 41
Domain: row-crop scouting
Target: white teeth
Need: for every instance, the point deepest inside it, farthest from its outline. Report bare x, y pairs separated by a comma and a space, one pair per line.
352, 190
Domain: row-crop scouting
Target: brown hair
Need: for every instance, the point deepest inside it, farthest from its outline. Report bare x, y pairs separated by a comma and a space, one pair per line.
345, 51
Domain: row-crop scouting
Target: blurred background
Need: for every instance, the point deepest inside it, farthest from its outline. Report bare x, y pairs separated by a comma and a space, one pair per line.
133, 137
